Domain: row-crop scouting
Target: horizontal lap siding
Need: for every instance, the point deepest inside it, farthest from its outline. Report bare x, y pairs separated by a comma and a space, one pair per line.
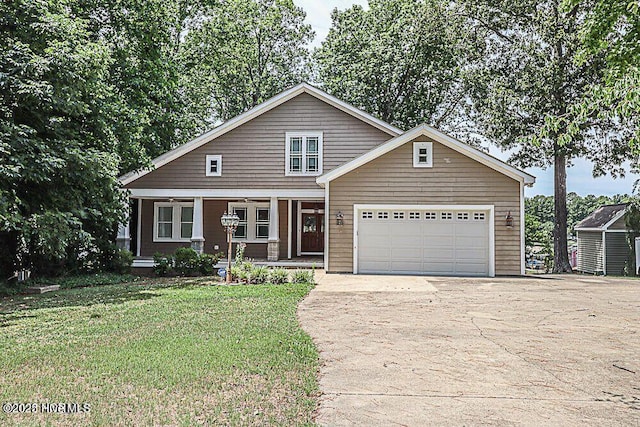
618, 253
590, 252
454, 179
253, 154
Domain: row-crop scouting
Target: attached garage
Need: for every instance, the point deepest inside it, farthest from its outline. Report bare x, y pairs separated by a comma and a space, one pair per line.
420, 239
425, 203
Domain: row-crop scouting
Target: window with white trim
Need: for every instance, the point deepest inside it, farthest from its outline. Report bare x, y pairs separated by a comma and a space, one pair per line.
214, 165
422, 154
254, 221
383, 215
414, 215
303, 153
430, 215
463, 216
367, 215
172, 222
398, 215
262, 223
446, 215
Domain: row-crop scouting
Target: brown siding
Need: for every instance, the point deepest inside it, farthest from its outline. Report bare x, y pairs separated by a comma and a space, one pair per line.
147, 246
454, 179
213, 232
253, 154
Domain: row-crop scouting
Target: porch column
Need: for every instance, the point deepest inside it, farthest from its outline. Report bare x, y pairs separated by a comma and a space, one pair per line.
274, 231
197, 237
123, 241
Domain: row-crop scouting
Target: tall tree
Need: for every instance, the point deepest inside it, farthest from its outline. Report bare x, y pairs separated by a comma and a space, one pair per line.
58, 161
530, 72
611, 29
398, 60
238, 53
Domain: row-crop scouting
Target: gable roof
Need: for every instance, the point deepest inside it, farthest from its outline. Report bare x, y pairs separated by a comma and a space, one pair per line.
255, 112
603, 217
436, 135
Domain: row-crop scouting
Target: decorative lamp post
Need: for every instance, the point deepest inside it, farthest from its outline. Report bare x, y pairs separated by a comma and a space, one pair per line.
230, 223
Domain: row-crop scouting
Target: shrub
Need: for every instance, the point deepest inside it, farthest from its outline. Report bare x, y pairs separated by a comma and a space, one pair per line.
240, 252
185, 261
278, 276
207, 263
302, 276
121, 261
163, 264
258, 275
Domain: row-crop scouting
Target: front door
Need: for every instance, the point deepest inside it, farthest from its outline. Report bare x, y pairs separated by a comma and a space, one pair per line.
312, 239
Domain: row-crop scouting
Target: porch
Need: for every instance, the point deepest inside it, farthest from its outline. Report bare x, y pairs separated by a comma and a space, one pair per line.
274, 229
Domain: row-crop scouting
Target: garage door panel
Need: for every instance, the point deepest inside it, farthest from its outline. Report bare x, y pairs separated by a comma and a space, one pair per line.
456, 246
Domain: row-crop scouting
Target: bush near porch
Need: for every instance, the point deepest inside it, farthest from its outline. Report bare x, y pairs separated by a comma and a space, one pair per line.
160, 352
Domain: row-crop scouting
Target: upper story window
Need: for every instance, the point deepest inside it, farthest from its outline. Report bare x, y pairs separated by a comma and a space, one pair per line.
303, 153
214, 165
173, 222
422, 154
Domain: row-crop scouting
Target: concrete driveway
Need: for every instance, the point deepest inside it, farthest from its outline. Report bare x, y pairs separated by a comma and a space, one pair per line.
457, 351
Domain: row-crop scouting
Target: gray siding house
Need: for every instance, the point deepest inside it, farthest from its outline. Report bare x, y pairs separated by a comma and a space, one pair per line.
310, 175
602, 241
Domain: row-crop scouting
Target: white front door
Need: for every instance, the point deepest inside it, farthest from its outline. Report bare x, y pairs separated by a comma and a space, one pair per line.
424, 240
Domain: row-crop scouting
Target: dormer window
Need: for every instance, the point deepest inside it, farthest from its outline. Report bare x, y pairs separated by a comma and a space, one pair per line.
422, 154
214, 165
303, 153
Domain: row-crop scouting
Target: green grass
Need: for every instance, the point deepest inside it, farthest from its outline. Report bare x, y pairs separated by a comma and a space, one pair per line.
169, 352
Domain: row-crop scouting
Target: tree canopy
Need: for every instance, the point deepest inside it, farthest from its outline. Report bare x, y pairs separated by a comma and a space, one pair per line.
400, 60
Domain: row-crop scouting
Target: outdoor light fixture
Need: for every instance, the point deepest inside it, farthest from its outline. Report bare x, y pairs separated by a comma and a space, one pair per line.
509, 220
339, 218
230, 223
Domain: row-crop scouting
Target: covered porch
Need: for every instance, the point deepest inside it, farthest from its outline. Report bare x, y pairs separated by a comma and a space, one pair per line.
277, 230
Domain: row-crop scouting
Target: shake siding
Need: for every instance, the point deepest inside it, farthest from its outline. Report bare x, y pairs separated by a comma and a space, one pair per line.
454, 179
213, 232
253, 155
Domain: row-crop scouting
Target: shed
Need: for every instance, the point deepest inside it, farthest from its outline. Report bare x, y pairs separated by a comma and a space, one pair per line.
602, 241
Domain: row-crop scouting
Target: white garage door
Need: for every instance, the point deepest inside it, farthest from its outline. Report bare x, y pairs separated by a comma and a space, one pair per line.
423, 241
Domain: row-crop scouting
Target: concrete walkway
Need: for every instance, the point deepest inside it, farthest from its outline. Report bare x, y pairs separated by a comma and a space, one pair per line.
453, 351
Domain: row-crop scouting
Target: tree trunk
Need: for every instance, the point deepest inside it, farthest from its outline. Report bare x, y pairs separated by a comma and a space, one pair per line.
560, 252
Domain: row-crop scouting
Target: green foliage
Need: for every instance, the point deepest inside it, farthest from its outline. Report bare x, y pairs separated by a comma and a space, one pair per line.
239, 53
303, 276
398, 60
240, 247
241, 272
259, 275
122, 261
207, 263
278, 276
163, 264
185, 261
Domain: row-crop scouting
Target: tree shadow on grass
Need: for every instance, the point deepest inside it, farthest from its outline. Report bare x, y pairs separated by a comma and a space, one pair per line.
23, 306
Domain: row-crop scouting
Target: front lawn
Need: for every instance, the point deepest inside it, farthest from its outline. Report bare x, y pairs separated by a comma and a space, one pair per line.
169, 352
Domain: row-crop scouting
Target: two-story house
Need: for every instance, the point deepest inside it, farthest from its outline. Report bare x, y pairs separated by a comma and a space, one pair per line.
308, 174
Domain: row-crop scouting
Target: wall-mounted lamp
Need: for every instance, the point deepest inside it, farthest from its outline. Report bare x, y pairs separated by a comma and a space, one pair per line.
339, 218
509, 220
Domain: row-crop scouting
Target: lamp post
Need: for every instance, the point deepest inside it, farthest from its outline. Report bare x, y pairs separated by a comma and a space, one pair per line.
230, 223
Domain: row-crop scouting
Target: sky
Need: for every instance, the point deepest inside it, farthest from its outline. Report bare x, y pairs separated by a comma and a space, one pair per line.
579, 177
